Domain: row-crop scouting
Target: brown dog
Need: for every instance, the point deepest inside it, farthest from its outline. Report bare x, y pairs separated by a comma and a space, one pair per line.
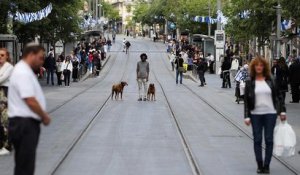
151, 92
117, 90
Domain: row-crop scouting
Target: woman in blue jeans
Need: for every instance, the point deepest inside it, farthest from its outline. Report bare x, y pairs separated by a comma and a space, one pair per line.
179, 69
262, 106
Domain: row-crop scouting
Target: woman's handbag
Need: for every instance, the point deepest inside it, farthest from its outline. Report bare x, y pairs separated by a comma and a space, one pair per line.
181, 69
62, 77
284, 140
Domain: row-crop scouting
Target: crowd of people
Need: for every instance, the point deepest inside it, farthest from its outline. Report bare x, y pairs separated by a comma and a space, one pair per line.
86, 57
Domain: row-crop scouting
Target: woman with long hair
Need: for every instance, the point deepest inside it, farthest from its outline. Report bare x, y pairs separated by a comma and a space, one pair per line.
5, 71
67, 68
263, 102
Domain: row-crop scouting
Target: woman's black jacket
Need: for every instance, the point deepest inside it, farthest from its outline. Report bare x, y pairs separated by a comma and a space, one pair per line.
249, 97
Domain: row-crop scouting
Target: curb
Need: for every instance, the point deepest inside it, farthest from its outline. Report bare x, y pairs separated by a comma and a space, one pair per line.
89, 75
187, 75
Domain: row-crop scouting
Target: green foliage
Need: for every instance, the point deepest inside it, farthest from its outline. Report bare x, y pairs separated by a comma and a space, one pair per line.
62, 23
110, 12
177, 11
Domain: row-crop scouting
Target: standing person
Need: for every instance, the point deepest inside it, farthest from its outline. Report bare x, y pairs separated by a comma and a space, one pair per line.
234, 66
67, 69
50, 67
108, 44
226, 65
127, 45
202, 66
26, 109
262, 105
142, 72
280, 71
294, 75
124, 44
172, 61
211, 60
75, 65
179, 69
59, 70
5, 71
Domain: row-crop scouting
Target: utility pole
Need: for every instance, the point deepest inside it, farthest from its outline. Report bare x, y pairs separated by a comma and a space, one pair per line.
278, 39
219, 7
209, 16
96, 10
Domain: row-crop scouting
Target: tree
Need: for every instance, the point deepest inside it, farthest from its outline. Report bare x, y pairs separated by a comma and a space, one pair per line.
62, 23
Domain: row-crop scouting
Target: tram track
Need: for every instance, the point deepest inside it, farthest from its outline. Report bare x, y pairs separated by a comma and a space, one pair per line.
187, 149
96, 116
231, 121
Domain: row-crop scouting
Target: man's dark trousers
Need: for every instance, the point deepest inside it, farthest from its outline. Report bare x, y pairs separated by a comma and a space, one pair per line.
24, 135
295, 92
50, 72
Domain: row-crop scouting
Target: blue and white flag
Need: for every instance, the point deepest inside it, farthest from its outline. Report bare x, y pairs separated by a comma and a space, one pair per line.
30, 17
286, 25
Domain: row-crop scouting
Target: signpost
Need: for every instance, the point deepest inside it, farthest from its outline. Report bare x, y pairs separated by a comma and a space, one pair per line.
220, 44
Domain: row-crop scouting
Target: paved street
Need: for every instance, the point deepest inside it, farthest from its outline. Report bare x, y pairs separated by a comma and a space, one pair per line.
187, 131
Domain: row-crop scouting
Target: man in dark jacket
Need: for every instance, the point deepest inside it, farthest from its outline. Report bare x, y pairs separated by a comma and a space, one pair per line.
202, 67
294, 75
226, 75
50, 65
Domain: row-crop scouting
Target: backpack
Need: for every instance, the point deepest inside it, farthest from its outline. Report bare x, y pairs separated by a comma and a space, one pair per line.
128, 44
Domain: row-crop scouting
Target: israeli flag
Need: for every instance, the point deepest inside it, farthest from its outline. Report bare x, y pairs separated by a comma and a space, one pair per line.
286, 25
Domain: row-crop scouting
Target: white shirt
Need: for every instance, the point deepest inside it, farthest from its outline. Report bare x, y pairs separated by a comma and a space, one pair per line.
263, 99
24, 84
235, 64
5, 72
67, 65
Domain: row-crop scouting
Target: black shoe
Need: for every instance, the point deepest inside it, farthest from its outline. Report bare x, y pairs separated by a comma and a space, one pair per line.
145, 99
140, 99
201, 85
260, 168
294, 102
267, 170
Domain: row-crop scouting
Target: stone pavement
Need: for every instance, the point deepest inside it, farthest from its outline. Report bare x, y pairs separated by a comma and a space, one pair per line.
133, 138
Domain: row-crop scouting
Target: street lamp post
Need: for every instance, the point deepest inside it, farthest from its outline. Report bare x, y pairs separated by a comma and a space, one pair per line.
209, 16
219, 7
278, 11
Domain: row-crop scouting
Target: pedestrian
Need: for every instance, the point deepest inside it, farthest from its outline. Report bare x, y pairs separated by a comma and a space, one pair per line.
234, 66
262, 105
124, 44
142, 72
67, 68
26, 109
202, 67
211, 60
5, 72
179, 68
294, 76
226, 65
50, 67
75, 65
280, 72
172, 60
59, 70
108, 44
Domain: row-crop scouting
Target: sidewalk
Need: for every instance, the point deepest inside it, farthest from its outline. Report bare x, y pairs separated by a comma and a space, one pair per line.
87, 75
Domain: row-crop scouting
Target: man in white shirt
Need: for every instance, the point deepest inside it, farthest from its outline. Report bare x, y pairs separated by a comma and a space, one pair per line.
26, 109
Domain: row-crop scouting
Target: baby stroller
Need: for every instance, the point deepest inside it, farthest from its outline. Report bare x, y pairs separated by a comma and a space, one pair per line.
240, 79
